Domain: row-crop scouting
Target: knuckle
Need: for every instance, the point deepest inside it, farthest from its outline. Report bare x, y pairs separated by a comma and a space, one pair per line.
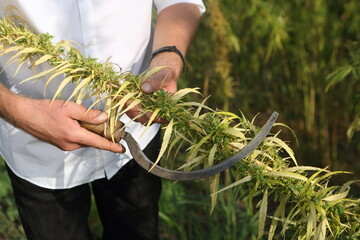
67, 147
106, 145
71, 138
111, 146
64, 105
92, 113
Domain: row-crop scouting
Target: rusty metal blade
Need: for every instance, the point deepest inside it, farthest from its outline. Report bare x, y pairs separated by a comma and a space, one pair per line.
145, 163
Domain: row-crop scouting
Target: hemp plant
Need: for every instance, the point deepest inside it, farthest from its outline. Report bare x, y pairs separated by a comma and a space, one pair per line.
307, 207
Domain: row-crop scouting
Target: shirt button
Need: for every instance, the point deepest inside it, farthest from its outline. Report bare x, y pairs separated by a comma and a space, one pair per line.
90, 43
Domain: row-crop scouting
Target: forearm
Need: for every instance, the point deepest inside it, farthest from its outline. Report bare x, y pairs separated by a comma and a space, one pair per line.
176, 26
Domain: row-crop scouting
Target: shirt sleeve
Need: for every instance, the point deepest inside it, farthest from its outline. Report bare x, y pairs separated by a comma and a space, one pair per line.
162, 4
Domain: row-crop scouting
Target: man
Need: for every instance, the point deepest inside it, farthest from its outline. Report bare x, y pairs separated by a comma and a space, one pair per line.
50, 157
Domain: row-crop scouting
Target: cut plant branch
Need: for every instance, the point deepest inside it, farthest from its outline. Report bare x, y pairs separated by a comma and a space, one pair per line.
307, 206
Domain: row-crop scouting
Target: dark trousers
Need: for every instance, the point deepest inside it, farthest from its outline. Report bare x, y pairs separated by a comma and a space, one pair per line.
127, 205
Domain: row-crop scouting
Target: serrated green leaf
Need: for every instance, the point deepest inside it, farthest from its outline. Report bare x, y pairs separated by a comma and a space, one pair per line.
195, 104
235, 132
10, 49
81, 95
150, 72
194, 161
279, 214
57, 73
182, 92
212, 155
83, 84
120, 104
234, 184
311, 221
131, 105
195, 147
321, 230
263, 214
97, 101
21, 63
200, 107
121, 88
23, 51
237, 145
287, 175
305, 168
346, 185
283, 145
62, 85
214, 185
77, 70
151, 120
165, 143
43, 73
43, 59
336, 197
329, 174
338, 75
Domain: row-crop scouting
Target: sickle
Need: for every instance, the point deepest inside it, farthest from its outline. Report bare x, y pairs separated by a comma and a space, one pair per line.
145, 163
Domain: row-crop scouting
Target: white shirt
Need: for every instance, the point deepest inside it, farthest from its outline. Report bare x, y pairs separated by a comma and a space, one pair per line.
119, 29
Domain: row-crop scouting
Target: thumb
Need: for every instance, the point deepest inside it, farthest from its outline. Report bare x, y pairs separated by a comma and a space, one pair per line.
155, 82
165, 79
147, 87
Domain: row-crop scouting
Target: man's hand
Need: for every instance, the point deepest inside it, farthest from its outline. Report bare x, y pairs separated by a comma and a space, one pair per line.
165, 79
56, 124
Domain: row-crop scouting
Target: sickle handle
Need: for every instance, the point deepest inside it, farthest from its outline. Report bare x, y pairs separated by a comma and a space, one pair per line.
105, 131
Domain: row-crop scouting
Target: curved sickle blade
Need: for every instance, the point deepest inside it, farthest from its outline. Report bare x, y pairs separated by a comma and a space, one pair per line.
145, 163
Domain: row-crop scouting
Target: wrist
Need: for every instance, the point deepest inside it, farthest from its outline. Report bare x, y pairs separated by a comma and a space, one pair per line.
9, 104
171, 56
171, 62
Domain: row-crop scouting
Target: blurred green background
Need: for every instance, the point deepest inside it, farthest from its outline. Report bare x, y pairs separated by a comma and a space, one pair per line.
300, 58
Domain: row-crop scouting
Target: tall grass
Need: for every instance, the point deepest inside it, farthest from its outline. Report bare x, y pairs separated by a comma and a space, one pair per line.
184, 214
282, 55
10, 226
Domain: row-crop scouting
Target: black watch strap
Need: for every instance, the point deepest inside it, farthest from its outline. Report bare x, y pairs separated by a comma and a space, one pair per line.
170, 49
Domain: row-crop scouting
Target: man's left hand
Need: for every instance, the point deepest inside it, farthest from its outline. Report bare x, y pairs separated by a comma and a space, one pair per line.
166, 79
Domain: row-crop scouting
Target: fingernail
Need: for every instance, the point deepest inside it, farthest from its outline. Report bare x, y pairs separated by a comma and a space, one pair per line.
102, 117
146, 87
122, 149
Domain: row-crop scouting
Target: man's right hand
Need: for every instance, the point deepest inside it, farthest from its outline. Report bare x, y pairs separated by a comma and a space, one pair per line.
57, 123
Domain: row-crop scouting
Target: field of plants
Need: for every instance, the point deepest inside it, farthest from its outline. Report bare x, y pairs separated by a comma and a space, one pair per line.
301, 59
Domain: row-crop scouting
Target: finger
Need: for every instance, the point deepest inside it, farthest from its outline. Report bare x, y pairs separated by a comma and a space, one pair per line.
163, 79
136, 114
147, 87
81, 113
138, 117
94, 140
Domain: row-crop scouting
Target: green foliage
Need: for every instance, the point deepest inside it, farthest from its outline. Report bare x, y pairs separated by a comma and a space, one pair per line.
350, 72
281, 54
10, 227
184, 214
